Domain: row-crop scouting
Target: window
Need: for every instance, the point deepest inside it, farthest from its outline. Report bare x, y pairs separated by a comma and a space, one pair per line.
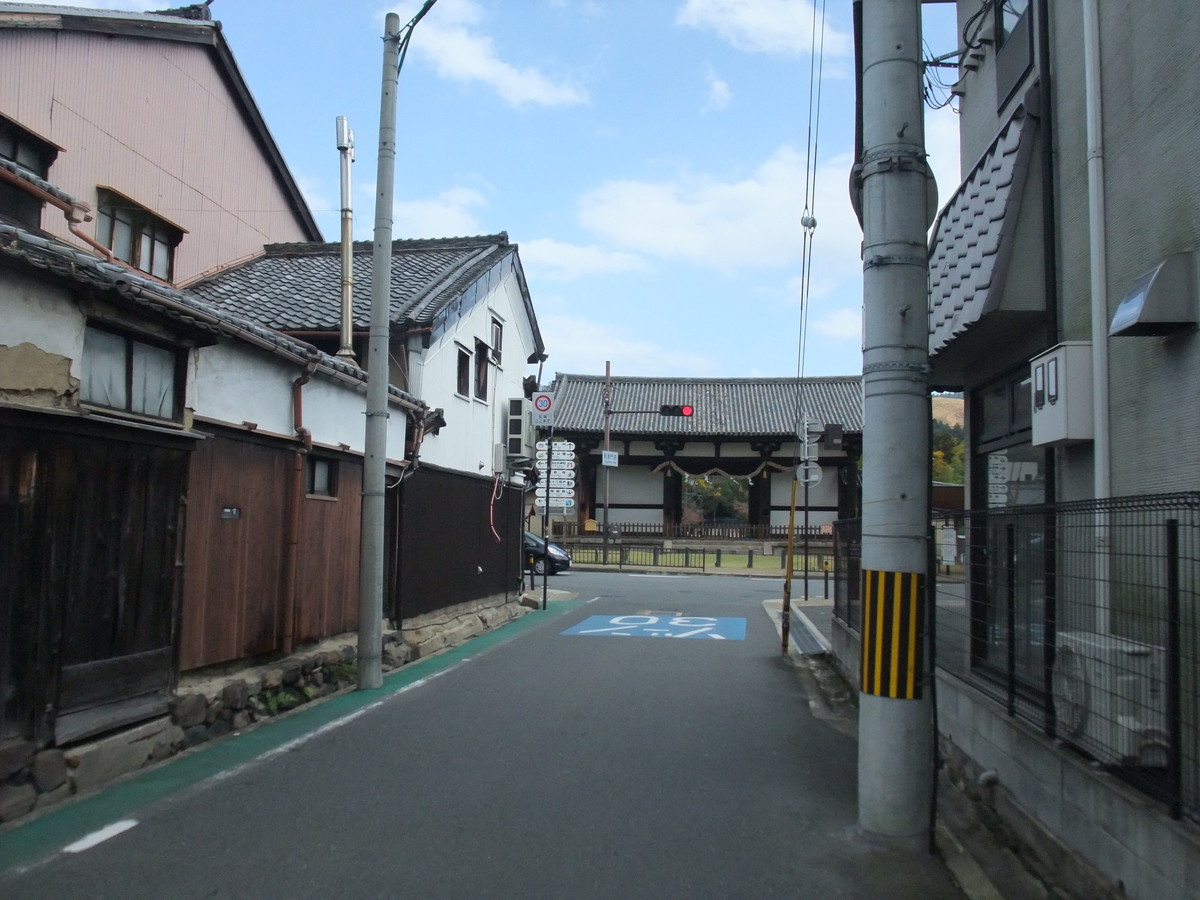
322, 477
1008, 16
464, 373
481, 370
124, 373
137, 236
32, 153
1014, 47
497, 340
1008, 469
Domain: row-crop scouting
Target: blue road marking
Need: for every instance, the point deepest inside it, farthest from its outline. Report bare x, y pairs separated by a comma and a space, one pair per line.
702, 627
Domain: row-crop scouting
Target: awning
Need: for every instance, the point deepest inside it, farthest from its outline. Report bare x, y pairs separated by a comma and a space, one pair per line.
974, 235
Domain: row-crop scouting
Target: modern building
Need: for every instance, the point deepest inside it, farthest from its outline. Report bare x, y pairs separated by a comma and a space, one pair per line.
1063, 303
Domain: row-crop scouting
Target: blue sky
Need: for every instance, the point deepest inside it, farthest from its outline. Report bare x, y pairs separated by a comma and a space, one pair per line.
648, 156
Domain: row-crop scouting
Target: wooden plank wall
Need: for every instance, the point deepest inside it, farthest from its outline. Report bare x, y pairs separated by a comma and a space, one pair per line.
91, 579
447, 552
327, 585
233, 557
238, 516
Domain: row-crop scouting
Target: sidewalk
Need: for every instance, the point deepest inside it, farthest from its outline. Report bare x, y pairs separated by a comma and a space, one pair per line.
982, 867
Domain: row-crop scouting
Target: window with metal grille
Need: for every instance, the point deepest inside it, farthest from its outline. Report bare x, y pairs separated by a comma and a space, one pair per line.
137, 236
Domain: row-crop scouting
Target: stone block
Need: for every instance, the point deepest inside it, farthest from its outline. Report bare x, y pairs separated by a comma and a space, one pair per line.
197, 734
397, 654
219, 728
15, 756
189, 710
241, 720
235, 695
213, 710
348, 653
291, 675
330, 658
49, 770
16, 800
272, 679
58, 795
127, 751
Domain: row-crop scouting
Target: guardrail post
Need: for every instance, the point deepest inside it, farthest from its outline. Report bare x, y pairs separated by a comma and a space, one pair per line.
750, 558
718, 557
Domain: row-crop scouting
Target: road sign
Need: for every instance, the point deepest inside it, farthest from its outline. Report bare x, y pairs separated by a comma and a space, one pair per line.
555, 502
558, 445
608, 457
701, 627
544, 464
543, 410
809, 473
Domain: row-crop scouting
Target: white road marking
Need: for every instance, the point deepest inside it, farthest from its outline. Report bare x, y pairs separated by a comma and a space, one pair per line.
100, 836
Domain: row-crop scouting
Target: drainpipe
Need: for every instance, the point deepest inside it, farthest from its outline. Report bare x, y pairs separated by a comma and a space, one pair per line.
345, 145
75, 213
292, 546
1097, 241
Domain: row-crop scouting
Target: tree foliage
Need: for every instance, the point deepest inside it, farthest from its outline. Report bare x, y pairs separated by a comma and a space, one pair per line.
949, 453
713, 498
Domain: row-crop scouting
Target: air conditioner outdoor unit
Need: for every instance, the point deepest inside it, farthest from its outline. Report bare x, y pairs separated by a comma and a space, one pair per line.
516, 440
1110, 697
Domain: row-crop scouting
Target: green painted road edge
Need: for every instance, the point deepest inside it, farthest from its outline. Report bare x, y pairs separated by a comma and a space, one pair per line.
25, 844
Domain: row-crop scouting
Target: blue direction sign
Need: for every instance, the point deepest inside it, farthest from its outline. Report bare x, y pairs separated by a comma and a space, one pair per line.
703, 627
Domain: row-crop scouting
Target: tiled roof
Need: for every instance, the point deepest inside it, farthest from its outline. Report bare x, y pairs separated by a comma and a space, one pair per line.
973, 237
733, 407
297, 287
68, 263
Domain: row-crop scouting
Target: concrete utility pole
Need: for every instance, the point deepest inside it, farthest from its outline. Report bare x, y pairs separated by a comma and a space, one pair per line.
896, 740
374, 495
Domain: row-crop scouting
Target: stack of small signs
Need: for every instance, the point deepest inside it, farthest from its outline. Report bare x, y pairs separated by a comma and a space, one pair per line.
556, 465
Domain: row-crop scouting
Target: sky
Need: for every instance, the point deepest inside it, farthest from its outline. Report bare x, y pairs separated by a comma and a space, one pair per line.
648, 157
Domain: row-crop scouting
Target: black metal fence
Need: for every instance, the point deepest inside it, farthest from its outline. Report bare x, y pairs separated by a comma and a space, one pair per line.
704, 531
1082, 619
622, 553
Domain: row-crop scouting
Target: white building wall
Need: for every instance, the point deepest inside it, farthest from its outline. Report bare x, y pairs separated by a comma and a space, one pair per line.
34, 312
473, 426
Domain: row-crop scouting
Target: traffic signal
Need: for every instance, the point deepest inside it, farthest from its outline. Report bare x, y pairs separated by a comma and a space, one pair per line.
675, 410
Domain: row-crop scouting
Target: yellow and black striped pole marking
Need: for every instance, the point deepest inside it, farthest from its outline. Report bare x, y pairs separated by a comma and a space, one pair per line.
893, 634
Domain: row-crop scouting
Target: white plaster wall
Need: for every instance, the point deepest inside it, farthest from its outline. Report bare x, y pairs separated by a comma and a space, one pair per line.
474, 427
34, 312
631, 485
232, 383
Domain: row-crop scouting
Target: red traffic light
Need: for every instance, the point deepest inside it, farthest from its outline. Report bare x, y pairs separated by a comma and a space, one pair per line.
667, 409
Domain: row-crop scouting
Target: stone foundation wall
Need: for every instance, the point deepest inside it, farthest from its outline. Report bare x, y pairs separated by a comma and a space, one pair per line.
210, 706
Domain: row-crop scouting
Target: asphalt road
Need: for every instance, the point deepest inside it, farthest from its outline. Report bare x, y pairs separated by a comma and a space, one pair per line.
612, 762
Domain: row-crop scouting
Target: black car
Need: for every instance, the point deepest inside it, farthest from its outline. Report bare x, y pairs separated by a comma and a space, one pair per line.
541, 556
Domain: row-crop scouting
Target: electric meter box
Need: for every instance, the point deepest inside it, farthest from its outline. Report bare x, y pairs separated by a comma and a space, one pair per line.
1060, 382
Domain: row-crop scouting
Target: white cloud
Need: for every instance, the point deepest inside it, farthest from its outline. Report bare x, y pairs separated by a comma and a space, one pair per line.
783, 27
449, 214
696, 218
559, 261
452, 37
843, 324
578, 345
719, 94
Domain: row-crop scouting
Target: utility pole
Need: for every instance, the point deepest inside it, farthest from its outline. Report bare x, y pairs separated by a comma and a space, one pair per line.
896, 739
374, 494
